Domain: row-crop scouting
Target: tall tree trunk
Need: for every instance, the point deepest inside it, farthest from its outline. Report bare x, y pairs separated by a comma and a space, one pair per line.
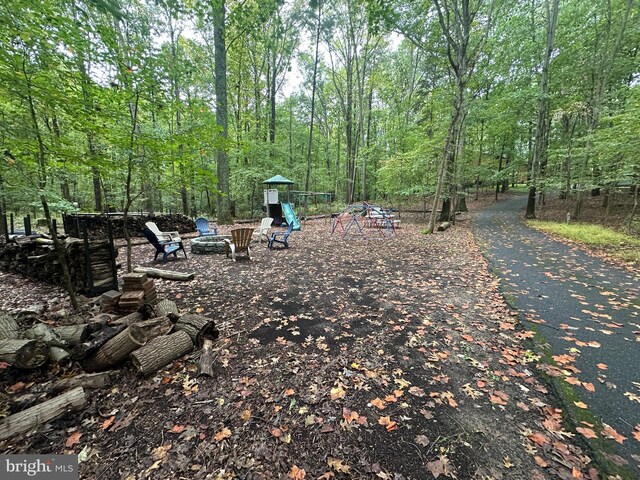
602, 79
313, 98
540, 150
222, 200
42, 183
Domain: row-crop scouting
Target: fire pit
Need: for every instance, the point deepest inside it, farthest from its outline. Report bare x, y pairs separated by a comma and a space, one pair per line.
209, 244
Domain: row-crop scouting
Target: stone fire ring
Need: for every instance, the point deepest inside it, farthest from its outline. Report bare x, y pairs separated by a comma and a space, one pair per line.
209, 244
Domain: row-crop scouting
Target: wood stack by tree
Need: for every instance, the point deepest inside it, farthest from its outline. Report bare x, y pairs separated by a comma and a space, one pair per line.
97, 224
35, 257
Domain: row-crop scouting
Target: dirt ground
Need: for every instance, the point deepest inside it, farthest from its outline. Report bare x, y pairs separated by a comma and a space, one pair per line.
390, 358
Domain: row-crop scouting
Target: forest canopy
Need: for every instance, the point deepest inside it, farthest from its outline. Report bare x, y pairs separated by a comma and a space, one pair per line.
187, 106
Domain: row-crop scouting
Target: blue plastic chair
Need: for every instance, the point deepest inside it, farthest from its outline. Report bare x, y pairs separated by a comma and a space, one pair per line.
276, 237
165, 248
203, 227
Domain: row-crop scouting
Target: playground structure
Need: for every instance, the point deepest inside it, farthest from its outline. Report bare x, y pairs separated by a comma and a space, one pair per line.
357, 219
280, 211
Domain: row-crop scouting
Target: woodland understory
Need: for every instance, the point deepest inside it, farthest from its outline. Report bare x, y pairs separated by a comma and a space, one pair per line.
337, 358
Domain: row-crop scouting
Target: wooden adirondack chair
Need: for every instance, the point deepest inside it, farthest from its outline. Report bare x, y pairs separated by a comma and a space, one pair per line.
265, 225
165, 247
163, 236
203, 227
240, 240
281, 237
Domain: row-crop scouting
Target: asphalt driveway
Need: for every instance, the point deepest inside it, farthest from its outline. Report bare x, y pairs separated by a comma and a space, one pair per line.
587, 310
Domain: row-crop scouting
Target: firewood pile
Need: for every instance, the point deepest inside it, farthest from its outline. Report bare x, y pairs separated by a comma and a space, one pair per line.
97, 224
35, 256
149, 339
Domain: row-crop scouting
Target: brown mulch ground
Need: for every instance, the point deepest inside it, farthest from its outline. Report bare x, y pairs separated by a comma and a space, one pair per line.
338, 358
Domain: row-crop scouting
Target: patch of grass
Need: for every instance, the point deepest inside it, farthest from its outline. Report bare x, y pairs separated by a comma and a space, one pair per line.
519, 188
619, 245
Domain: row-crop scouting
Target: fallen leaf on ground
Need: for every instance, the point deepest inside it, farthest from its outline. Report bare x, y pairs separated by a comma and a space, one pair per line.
222, 434
338, 465
587, 432
107, 423
378, 403
441, 466
388, 423
610, 432
581, 405
73, 439
296, 473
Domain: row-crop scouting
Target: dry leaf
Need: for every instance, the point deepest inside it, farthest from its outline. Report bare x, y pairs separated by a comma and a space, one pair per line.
610, 432
73, 439
581, 405
338, 465
337, 392
389, 424
245, 415
296, 473
177, 429
587, 432
378, 403
107, 423
160, 453
222, 434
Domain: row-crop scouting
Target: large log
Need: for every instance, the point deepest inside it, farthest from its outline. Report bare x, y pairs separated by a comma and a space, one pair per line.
96, 340
117, 349
129, 319
74, 334
198, 327
168, 274
44, 333
161, 351
8, 326
59, 355
155, 327
85, 380
37, 415
25, 354
205, 365
166, 308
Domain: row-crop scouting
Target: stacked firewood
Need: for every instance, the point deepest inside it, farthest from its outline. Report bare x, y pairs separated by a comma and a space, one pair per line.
35, 256
149, 339
97, 224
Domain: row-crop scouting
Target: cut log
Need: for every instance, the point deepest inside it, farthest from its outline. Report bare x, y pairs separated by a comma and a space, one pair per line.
167, 274
74, 334
155, 327
444, 226
117, 349
42, 413
198, 327
161, 351
44, 333
8, 326
96, 340
134, 317
24, 354
58, 354
166, 308
205, 365
85, 380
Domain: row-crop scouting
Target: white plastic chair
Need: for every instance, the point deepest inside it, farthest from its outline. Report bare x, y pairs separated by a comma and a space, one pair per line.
163, 236
265, 225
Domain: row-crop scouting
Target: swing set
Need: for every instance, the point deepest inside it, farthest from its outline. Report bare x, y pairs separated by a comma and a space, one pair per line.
357, 219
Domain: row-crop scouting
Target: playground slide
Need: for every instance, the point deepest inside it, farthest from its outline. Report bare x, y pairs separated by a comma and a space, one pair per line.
290, 215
